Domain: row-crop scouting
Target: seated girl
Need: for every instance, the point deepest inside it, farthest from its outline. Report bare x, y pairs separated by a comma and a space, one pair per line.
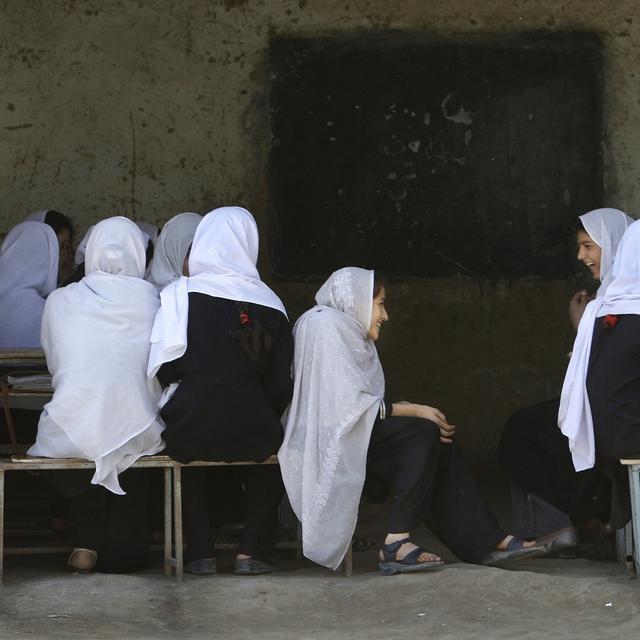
28, 274
223, 336
95, 334
600, 402
548, 497
63, 229
172, 248
341, 428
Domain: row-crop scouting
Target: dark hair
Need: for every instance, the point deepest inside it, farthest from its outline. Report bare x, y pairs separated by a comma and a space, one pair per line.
250, 335
378, 284
580, 226
58, 221
149, 253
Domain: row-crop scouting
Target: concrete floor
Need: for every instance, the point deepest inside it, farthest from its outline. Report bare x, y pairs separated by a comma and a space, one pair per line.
539, 598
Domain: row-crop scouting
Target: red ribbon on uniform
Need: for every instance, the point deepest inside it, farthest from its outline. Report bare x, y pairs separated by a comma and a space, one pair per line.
610, 321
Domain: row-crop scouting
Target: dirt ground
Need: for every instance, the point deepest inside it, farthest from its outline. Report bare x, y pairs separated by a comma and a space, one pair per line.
539, 598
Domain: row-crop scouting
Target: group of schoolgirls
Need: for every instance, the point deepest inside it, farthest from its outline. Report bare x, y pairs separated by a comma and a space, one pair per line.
174, 344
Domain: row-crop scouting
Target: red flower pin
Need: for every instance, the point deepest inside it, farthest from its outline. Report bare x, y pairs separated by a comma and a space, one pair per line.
610, 321
244, 318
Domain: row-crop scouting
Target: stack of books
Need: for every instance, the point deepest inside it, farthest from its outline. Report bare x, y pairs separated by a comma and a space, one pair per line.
36, 383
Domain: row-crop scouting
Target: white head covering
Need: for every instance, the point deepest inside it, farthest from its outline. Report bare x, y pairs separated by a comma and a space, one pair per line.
172, 246
28, 274
95, 334
621, 296
605, 227
222, 264
81, 249
150, 231
37, 216
338, 386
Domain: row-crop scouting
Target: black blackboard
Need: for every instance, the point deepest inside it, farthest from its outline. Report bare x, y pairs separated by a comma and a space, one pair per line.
427, 157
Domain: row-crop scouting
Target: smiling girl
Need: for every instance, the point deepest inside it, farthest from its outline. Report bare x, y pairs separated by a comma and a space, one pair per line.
341, 428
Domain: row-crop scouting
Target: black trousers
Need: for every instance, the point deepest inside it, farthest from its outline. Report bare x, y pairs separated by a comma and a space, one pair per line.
263, 491
535, 455
433, 484
117, 527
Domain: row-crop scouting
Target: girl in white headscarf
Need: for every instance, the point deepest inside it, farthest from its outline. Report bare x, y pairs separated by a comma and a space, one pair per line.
28, 274
172, 249
598, 235
222, 336
600, 404
95, 334
548, 496
339, 428
63, 228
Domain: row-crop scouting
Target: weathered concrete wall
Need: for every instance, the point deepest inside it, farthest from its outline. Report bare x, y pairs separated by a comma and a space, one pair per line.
147, 108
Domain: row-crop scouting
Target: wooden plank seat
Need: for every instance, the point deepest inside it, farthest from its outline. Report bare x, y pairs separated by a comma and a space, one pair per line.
23, 462
173, 558
178, 560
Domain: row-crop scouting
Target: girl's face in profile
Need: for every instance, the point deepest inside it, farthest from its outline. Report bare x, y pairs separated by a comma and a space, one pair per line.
65, 260
378, 316
185, 263
589, 253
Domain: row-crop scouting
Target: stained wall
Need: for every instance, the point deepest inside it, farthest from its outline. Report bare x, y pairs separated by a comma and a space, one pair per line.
150, 108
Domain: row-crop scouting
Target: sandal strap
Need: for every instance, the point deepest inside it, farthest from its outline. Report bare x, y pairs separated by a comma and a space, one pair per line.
389, 550
412, 556
515, 544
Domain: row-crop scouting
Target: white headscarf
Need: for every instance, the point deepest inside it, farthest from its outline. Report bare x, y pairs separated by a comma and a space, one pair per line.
37, 216
222, 264
95, 334
338, 386
621, 296
150, 231
605, 227
172, 246
81, 249
28, 274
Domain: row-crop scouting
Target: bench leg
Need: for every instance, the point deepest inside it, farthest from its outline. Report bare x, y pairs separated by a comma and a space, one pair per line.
4, 388
634, 485
168, 525
1, 527
348, 563
177, 518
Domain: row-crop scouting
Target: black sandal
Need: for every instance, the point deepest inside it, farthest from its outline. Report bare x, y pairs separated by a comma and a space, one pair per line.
389, 565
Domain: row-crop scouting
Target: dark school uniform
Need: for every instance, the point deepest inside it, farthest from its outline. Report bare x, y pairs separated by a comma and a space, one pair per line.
228, 408
613, 387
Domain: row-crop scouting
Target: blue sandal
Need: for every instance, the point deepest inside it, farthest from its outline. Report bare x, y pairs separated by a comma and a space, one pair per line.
390, 565
515, 551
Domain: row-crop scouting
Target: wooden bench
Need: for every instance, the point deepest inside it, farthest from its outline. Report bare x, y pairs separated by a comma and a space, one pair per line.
178, 560
173, 553
28, 463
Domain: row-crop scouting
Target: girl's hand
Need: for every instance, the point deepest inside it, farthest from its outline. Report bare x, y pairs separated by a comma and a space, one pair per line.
447, 431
